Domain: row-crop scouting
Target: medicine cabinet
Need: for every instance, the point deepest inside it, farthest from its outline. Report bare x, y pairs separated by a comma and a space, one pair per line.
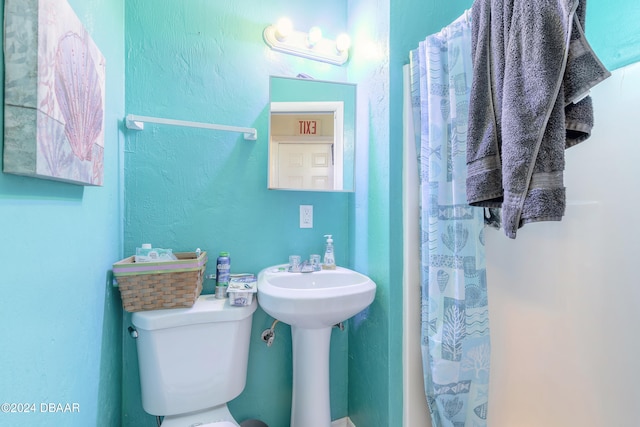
311, 135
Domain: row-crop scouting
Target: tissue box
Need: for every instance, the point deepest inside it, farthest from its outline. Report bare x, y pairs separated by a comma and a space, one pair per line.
241, 289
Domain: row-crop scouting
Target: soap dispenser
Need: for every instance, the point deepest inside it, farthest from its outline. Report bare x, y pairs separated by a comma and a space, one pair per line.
329, 262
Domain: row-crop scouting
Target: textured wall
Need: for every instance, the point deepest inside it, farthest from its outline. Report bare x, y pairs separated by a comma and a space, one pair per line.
185, 188
60, 316
64, 335
371, 396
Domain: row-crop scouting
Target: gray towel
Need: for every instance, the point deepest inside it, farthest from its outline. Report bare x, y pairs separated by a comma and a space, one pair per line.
532, 69
583, 71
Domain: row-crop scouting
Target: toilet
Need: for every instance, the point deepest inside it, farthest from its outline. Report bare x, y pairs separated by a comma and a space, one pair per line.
193, 361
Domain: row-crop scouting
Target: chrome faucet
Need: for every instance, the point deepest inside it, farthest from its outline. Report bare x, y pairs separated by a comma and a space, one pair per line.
307, 267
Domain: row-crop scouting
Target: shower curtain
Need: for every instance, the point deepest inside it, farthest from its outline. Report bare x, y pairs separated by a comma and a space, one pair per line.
455, 323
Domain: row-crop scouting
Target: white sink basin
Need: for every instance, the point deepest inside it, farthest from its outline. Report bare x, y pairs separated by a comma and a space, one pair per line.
312, 303
314, 300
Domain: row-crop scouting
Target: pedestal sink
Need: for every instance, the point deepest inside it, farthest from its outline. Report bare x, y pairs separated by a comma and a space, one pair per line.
312, 303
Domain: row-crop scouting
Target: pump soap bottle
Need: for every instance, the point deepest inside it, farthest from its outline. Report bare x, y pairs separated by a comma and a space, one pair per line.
329, 262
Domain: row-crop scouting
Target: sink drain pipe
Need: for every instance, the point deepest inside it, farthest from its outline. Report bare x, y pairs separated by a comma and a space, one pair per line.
269, 335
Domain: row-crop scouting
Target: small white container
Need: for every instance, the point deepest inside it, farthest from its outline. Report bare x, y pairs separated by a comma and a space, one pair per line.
242, 289
240, 298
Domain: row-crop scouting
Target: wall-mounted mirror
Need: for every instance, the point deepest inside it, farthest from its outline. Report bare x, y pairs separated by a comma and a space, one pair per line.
311, 135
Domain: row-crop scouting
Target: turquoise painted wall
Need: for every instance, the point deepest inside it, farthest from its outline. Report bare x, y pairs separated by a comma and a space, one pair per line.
60, 338
185, 188
372, 216
372, 352
613, 31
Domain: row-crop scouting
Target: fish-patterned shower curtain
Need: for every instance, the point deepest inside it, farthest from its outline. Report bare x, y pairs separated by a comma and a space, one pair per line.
455, 321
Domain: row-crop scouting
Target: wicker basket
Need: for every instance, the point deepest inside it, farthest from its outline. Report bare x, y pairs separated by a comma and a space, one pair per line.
160, 285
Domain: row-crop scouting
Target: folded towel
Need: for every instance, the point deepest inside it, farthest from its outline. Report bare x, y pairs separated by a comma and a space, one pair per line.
532, 69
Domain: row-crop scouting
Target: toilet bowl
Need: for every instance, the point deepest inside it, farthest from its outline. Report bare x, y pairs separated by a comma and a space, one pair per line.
192, 361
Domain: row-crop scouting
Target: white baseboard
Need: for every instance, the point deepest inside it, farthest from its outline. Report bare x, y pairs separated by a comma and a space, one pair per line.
342, 422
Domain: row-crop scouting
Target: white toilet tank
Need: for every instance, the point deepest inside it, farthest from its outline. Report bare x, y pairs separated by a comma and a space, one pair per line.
192, 358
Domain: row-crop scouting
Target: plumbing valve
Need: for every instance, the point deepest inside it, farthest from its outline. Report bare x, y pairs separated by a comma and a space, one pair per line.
269, 335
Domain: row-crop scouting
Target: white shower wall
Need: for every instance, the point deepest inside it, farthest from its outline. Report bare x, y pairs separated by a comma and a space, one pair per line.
564, 298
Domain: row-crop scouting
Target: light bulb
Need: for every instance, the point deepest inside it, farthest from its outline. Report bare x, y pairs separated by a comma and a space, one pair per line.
284, 27
315, 35
343, 42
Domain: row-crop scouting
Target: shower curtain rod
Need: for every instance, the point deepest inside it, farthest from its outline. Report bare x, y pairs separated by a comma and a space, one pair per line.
466, 16
137, 123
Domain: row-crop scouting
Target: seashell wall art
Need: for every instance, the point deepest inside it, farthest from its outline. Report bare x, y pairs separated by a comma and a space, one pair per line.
54, 94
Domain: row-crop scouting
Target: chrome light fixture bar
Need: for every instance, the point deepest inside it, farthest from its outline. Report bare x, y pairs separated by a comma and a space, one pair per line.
283, 38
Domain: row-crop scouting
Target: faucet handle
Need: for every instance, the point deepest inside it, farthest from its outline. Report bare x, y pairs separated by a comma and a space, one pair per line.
294, 263
315, 262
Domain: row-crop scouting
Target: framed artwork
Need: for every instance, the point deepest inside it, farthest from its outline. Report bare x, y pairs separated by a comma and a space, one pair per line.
54, 94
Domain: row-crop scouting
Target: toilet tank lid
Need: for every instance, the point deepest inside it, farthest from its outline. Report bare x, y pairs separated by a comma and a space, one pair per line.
206, 309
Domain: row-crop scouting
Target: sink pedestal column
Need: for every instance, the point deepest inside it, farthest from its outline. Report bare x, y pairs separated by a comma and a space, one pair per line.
311, 405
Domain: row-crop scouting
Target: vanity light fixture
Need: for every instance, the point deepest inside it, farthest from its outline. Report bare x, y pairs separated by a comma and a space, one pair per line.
282, 37
314, 36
